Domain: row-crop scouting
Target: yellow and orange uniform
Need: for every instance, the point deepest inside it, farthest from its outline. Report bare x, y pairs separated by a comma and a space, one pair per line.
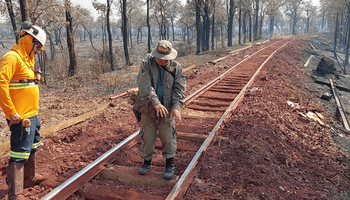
21, 98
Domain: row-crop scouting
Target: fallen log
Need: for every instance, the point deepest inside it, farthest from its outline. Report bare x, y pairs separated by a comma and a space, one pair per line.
346, 76
341, 87
324, 43
340, 129
340, 107
308, 60
313, 47
332, 50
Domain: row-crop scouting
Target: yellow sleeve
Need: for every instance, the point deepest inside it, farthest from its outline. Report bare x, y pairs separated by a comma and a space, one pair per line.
7, 70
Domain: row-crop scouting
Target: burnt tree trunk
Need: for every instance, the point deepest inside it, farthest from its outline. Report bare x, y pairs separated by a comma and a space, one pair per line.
70, 42
323, 17
244, 27
230, 23
198, 25
250, 26
272, 25
336, 36
130, 34
213, 27
90, 37
239, 26
260, 32
346, 62
340, 33
294, 21
125, 34
110, 39
13, 20
173, 29
24, 10
52, 44
206, 26
256, 25
149, 29
345, 35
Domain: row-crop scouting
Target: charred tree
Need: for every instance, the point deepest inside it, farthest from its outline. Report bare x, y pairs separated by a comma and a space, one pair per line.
230, 23
272, 25
260, 32
70, 41
213, 26
110, 39
294, 15
340, 33
13, 20
125, 33
250, 26
240, 26
206, 28
130, 34
336, 35
24, 10
90, 36
256, 25
323, 17
149, 29
346, 62
244, 26
198, 25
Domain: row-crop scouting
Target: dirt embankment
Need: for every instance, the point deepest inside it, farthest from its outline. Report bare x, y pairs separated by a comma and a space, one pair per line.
273, 151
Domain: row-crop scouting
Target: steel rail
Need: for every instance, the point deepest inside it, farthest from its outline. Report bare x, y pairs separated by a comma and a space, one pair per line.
177, 189
72, 184
218, 78
68, 187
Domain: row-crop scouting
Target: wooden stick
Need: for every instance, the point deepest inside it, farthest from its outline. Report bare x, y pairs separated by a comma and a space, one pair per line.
341, 87
340, 108
118, 95
313, 47
188, 68
346, 76
308, 60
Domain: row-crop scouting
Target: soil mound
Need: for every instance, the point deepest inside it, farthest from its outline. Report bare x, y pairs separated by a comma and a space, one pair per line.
326, 66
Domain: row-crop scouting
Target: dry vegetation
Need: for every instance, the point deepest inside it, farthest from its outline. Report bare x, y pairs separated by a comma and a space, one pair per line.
63, 97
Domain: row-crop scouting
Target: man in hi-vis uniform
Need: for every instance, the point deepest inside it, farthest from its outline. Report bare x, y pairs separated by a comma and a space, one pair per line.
162, 87
19, 99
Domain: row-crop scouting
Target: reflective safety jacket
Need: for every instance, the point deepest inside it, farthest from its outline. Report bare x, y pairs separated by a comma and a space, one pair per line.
21, 98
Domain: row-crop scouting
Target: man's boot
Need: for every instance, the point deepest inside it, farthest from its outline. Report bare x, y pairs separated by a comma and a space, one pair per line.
14, 173
147, 165
169, 169
30, 177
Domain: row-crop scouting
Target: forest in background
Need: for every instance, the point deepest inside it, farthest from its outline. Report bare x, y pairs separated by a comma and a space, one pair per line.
195, 27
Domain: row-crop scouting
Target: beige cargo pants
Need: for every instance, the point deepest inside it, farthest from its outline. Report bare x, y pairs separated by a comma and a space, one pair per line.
148, 134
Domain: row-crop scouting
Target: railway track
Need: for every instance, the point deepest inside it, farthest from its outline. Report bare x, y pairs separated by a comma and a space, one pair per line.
203, 114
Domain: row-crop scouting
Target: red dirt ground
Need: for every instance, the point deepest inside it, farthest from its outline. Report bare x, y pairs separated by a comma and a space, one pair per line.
271, 150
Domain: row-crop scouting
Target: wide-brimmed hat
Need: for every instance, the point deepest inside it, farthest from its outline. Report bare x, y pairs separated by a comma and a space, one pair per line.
165, 51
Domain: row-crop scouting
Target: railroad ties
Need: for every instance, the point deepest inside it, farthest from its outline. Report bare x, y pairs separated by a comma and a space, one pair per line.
203, 115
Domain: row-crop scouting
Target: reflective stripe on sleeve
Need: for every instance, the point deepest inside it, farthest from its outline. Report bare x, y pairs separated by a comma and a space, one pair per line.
22, 85
36, 145
19, 155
